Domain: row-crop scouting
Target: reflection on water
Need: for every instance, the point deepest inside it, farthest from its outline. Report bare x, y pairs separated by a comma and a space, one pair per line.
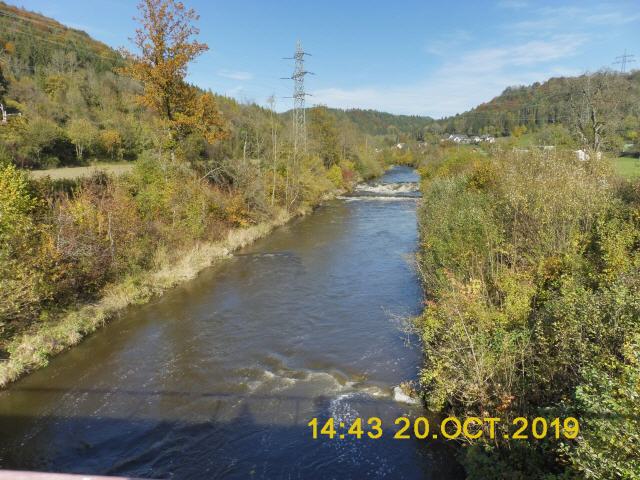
219, 377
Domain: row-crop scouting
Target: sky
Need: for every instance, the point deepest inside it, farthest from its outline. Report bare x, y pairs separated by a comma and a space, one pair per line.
418, 57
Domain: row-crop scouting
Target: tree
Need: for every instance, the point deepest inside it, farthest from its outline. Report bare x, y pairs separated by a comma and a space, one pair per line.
595, 106
518, 131
22, 283
167, 45
274, 144
40, 134
82, 134
557, 135
325, 135
111, 142
4, 84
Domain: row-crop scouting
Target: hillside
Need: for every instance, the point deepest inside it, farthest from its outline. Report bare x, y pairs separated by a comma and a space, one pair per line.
76, 106
30, 40
557, 101
373, 122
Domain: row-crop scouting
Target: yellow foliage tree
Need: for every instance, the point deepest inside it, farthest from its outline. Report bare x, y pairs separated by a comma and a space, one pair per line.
166, 43
111, 141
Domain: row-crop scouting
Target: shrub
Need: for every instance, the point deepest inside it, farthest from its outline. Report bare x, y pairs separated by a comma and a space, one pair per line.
531, 265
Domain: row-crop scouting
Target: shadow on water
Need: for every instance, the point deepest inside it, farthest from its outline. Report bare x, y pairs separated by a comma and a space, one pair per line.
244, 446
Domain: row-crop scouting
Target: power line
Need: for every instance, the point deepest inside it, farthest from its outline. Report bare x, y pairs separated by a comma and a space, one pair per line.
55, 29
299, 96
623, 60
49, 25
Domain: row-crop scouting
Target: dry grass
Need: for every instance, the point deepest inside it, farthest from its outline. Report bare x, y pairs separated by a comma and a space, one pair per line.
33, 350
78, 172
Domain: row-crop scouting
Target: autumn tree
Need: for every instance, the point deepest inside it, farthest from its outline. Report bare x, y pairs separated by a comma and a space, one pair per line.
22, 281
83, 135
39, 135
595, 108
323, 131
4, 84
111, 142
166, 42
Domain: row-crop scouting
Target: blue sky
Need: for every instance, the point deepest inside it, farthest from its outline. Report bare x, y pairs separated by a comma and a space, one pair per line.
416, 57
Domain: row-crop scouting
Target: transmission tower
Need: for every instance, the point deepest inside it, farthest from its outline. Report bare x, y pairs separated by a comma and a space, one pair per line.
623, 60
299, 95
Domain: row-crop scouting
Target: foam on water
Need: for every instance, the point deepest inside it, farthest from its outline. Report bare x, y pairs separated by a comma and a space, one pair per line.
388, 188
384, 198
327, 383
384, 191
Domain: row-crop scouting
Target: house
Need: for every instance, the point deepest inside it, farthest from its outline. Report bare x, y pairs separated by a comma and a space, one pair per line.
4, 115
584, 156
463, 139
459, 138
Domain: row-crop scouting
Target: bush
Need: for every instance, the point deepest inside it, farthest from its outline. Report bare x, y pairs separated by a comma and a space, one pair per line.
531, 266
609, 402
24, 251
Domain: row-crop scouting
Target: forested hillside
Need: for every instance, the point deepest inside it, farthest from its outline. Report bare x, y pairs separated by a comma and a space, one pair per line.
373, 122
556, 108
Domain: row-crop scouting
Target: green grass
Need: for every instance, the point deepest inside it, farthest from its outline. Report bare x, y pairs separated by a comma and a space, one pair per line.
627, 167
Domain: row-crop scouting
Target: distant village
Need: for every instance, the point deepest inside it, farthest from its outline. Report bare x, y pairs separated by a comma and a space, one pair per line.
458, 138
463, 139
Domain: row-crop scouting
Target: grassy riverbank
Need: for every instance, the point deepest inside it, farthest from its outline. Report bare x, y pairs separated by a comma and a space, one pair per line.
74, 254
531, 267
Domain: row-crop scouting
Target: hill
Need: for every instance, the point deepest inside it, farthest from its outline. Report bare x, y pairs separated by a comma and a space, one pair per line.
374, 122
558, 102
31, 40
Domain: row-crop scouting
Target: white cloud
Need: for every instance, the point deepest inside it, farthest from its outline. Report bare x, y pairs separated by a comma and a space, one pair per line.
235, 75
463, 83
553, 19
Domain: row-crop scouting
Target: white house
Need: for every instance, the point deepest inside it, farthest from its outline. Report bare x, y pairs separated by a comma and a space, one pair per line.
584, 156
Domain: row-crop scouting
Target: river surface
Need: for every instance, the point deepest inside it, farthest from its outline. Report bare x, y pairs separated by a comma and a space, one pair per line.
219, 377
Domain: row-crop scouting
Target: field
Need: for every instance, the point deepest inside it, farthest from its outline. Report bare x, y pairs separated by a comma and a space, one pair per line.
627, 167
77, 172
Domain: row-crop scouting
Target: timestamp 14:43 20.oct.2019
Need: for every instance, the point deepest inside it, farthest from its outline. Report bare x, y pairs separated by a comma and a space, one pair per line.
450, 428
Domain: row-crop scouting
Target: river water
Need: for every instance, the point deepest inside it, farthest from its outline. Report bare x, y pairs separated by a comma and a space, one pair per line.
219, 377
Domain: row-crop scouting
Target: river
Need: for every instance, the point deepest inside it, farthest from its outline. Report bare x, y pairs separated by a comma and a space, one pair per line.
219, 377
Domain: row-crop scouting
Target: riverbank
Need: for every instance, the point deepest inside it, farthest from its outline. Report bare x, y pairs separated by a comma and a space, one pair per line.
531, 265
33, 350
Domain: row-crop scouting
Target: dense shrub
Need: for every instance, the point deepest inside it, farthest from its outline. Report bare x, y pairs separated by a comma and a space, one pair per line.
531, 266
